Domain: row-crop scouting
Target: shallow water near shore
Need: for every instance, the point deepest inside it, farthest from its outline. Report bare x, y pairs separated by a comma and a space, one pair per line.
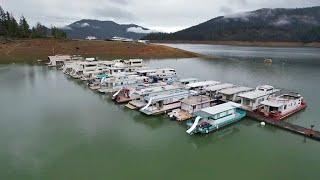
53, 127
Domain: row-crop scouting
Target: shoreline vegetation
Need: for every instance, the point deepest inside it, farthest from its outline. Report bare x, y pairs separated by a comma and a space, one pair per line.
30, 50
245, 43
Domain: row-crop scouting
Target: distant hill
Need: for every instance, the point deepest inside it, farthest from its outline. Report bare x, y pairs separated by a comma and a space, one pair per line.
104, 30
302, 24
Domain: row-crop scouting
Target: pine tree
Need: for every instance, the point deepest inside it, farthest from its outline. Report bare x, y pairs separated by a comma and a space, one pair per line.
2, 22
58, 33
39, 31
24, 31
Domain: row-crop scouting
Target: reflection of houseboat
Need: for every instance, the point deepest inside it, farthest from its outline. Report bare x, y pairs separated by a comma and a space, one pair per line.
278, 108
159, 103
252, 100
231, 94
211, 91
191, 105
201, 85
216, 117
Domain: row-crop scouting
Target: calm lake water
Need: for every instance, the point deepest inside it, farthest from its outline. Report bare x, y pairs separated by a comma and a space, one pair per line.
53, 127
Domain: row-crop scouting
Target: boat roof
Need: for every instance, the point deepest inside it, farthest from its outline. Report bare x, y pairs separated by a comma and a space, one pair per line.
235, 90
188, 80
194, 100
134, 60
211, 111
59, 57
202, 83
146, 71
219, 87
176, 93
106, 62
156, 89
279, 100
257, 94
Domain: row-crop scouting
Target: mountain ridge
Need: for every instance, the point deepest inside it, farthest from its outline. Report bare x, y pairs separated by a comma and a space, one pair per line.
266, 24
104, 29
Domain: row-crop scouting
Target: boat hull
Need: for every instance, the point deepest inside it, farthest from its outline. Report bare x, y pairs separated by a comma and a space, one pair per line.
280, 117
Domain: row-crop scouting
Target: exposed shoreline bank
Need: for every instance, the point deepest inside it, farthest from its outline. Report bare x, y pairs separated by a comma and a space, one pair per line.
31, 50
248, 43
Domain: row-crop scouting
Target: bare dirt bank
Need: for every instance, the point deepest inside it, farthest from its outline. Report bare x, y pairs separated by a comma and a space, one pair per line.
31, 50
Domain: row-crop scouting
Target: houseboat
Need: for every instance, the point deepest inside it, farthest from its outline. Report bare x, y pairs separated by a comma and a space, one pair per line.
68, 66
83, 67
283, 106
251, 100
187, 81
58, 60
103, 67
117, 82
191, 105
231, 94
165, 101
216, 117
164, 74
139, 96
211, 91
130, 93
201, 85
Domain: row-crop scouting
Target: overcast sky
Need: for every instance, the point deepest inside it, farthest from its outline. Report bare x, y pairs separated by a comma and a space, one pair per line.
161, 15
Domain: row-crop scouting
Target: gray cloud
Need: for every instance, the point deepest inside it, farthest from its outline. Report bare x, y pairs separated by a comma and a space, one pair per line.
164, 15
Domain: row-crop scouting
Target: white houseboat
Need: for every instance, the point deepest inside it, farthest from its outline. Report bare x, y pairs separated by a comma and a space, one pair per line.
251, 100
165, 101
201, 85
231, 94
212, 91
280, 107
191, 105
164, 74
130, 93
117, 82
58, 60
187, 81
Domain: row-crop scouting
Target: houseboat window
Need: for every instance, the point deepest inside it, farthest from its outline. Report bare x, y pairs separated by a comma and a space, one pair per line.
273, 109
246, 102
285, 107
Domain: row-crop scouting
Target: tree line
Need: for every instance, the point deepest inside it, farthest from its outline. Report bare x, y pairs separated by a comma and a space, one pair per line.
11, 28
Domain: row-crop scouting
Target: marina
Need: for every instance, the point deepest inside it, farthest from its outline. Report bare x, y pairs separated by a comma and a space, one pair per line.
68, 121
207, 105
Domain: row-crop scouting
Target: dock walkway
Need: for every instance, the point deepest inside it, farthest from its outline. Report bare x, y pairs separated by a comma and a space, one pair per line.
307, 132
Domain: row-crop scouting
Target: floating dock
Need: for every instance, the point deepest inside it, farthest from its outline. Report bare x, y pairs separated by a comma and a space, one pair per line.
306, 132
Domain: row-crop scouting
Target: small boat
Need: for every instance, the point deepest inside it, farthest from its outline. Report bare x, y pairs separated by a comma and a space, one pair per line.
216, 117
283, 106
